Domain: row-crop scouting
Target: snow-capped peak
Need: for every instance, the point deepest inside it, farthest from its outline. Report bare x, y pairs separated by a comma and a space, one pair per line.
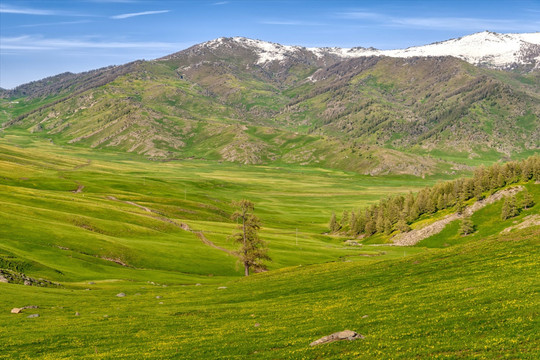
484, 48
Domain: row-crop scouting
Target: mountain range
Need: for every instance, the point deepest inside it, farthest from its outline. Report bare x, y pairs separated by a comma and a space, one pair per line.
416, 111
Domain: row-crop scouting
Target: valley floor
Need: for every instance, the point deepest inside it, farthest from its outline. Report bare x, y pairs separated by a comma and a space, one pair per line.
102, 224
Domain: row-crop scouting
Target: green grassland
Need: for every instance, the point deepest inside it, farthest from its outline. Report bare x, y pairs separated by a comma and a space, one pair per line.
72, 234
477, 300
448, 297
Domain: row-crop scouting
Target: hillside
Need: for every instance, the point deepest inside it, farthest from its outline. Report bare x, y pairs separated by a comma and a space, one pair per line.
123, 256
253, 102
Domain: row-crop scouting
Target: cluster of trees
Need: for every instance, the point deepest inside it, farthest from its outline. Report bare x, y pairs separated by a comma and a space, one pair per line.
397, 212
512, 207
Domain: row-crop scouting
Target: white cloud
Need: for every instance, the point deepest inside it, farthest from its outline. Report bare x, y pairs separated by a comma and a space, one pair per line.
125, 16
55, 23
221, 3
7, 9
442, 23
47, 44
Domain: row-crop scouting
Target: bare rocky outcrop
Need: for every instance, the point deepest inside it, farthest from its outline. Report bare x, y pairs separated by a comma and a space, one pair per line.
342, 335
528, 221
14, 277
414, 236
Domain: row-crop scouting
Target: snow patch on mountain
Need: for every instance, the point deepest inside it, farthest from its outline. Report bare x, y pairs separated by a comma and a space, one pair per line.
486, 48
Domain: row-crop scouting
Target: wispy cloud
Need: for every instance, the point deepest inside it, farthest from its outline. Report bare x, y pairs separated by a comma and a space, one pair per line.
441, 23
221, 3
360, 15
55, 23
125, 16
27, 42
290, 22
8, 9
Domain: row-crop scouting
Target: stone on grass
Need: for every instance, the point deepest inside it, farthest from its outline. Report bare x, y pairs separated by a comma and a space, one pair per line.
158, 297
342, 335
365, 316
77, 313
257, 325
27, 282
3, 279
222, 287
33, 316
121, 295
16, 310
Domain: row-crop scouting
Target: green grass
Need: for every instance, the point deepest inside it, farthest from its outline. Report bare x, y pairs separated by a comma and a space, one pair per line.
477, 300
68, 236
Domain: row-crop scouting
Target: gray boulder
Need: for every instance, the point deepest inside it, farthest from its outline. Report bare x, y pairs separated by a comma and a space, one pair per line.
342, 335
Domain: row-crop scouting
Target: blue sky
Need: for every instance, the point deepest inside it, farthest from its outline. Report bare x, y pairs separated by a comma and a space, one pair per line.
44, 38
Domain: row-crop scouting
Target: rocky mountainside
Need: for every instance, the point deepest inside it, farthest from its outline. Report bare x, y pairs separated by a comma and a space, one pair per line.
250, 101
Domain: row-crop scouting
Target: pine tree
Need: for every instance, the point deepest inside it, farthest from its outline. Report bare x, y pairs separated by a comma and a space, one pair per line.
460, 206
467, 227
387, 226
252, 249
403, 226
334, 225
509, 208
370, 226
527, 201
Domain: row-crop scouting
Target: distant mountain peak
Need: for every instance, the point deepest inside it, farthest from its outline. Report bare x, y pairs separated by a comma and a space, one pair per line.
486, 48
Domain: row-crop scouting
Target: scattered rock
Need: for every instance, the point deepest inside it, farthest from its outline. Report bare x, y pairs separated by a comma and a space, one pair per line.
77, 313
198, 284
105, 316
222, 287
33, 316
352, 243
365, 316
257, 325
252, 315
161, 303
137, 294
3, 279
121, 295
31, 307
342, 335
16, 310
158, 297
91, 283
27, 282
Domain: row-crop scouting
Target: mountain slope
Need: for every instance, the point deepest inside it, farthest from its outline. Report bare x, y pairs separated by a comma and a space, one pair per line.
250, 101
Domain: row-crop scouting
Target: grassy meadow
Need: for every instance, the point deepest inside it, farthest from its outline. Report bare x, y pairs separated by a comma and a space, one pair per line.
101, 223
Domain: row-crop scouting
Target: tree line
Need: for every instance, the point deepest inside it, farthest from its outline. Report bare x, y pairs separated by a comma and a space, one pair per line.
397, 212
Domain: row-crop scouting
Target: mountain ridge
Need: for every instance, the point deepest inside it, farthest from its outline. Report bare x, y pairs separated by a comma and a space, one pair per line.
218, 100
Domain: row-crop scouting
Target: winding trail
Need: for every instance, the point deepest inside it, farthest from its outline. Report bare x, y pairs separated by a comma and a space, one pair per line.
415, 236
182, 226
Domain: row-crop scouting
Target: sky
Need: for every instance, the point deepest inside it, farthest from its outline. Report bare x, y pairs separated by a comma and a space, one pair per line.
44, 38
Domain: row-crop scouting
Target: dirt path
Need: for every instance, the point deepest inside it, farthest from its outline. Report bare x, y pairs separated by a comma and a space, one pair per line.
414, 236
182, 226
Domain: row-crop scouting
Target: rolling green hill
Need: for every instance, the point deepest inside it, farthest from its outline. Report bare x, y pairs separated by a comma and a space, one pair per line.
96, 224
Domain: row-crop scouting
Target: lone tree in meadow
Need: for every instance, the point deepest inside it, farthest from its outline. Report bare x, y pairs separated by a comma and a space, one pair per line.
467, 227
252, 249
